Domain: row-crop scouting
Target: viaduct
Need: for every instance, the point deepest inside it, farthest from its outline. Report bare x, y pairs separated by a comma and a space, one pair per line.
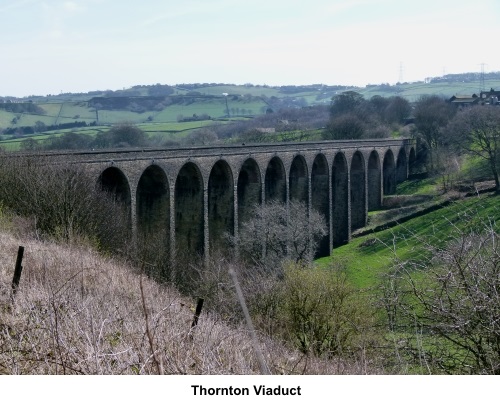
190, 197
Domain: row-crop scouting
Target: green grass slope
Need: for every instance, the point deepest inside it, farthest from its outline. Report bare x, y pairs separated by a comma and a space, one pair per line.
367, 258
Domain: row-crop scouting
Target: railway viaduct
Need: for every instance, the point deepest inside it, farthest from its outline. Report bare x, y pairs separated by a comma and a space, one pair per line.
190, 197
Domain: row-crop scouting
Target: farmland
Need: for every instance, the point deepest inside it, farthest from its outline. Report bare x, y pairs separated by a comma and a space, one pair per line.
172, 112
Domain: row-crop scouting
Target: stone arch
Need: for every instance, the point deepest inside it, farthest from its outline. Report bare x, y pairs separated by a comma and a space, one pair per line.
358, 191
401, 166
389, 171
220, 203
374, 182
320, 198
340, 200
275, 181
189, 214
249, 190
298, 180
114, 181
153, 207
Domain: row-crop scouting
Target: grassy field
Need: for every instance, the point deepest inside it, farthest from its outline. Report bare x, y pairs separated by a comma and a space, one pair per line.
169, 130
369, 257
68, 108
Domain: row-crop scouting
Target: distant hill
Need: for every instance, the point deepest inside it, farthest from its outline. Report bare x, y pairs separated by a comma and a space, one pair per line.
169, 105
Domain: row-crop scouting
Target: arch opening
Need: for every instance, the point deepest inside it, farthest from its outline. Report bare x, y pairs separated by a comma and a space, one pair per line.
401, 166
298, 180
320, 199
275, 182
358, 192
340, 195
389, 171
189, 218
374, 182
113, 181
153, 209
220, 203
249, 190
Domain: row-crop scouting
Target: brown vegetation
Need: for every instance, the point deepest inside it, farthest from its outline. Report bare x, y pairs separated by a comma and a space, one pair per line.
79, 313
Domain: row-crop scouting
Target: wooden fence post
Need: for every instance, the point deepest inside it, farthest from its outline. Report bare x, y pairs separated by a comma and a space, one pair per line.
17, 270
197, 313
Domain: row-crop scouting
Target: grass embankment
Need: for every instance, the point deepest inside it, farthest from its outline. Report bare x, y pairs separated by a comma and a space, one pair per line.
369, 257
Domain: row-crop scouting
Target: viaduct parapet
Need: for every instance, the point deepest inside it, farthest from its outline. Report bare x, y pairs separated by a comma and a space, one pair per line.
191, 197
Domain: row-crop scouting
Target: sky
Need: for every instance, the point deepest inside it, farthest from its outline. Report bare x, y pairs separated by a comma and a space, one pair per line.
54, 46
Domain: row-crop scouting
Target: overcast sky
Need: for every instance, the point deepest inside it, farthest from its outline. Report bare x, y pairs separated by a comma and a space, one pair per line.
53, 46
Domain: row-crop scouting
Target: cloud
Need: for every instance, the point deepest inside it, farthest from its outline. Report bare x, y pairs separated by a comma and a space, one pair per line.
17, 4
73, 7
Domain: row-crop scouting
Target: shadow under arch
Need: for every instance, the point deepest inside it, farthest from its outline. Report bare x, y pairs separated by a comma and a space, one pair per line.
153, 208
249, 190
114, 182
275, 181
298, 180
401, 166
189, 218
358, 191
320, 199
340, 200
389, 172
220, 203
374, 182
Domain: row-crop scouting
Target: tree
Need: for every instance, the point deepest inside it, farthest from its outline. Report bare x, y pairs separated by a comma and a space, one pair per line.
121, 135
476, 131
69, 141
432, 114
397, 110
345, 126
281, 233
450, 306
40, 126
346, 102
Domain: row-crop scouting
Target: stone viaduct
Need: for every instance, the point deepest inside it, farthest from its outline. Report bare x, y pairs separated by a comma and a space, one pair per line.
190, 197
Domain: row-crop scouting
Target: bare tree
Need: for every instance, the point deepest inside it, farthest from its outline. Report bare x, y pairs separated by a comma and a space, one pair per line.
449, 307
432, 114
477, 131
277, 232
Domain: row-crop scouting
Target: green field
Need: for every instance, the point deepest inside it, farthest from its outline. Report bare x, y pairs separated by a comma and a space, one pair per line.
243, 100
369, 257
169, 130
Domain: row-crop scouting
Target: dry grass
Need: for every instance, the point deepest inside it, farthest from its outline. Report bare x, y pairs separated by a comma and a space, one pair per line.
80, 313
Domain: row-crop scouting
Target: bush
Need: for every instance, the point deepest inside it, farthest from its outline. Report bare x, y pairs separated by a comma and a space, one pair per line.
63, 202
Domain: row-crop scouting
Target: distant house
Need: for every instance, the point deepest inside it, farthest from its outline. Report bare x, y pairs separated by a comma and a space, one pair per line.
490, 97
464, 101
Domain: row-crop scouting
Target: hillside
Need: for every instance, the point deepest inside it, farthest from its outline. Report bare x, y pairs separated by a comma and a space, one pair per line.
369, 257
77, 312
163, 103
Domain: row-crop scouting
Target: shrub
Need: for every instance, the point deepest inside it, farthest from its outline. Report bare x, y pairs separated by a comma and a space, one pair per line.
63, 202
321, 312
